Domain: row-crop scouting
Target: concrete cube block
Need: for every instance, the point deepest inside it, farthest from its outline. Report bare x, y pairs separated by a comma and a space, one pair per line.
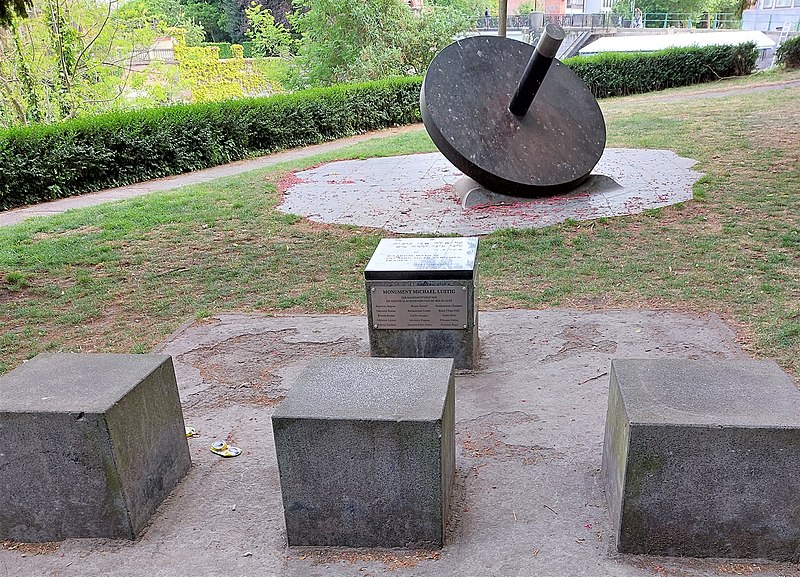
701, 458
92, 444
366, 452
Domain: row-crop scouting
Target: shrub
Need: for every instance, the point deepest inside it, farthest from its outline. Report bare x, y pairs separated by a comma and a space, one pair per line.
54, 161
788, 53
225, 49
619, 74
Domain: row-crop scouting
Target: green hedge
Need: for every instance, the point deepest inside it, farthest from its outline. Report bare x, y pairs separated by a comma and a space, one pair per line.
225, 49
619, 74
53, 161
45, 162
789, 53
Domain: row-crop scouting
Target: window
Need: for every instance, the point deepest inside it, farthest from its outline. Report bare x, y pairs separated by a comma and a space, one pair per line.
766, 4
783, 3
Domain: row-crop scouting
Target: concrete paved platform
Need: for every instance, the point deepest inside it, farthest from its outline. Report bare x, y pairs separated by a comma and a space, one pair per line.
529, 433
415, 194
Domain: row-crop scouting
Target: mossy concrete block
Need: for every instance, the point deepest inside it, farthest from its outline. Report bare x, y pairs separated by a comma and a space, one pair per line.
700, 458
92, 444
366, 452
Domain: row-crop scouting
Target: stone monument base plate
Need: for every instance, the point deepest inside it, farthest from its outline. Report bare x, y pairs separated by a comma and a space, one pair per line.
473, 194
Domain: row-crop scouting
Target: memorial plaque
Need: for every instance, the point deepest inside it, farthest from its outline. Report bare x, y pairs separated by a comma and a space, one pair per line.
419, 307
423, 259
421, 299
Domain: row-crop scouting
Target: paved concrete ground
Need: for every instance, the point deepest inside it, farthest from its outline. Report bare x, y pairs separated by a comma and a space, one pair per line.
415, 193
529, 432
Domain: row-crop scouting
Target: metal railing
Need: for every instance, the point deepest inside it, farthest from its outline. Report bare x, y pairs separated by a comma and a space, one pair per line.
522, 22
515, 22
725, 21
716, 21
582, 21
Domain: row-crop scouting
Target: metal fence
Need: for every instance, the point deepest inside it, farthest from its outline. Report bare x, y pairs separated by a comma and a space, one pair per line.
515, 22
725, 21
522, 22
717, 21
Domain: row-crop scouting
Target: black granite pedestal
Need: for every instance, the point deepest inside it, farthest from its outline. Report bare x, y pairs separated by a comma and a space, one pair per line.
421, 299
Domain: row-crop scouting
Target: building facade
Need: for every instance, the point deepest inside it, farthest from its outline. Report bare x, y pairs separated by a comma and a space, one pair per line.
769, 15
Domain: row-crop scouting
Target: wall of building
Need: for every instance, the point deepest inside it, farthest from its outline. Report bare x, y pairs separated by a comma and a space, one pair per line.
771, 15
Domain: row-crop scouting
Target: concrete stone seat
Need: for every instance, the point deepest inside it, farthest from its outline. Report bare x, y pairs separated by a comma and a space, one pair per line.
91, 445
701, 458
366, 452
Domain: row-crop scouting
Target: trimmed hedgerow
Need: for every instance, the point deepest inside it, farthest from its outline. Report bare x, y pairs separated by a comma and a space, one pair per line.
46, 162
788, 53
41, 163
620, 74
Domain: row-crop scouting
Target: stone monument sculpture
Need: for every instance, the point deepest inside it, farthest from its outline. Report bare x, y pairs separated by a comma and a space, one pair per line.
513, 118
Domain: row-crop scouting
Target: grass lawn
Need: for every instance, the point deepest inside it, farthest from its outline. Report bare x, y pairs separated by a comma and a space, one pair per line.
122, 276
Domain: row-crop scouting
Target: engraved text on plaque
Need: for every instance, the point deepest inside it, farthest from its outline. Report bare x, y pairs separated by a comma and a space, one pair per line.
419, 307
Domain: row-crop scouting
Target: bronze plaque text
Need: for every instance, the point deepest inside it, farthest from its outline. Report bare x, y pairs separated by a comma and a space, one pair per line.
419, 307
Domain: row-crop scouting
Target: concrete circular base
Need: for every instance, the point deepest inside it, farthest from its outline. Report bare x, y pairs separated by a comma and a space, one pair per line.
417, 194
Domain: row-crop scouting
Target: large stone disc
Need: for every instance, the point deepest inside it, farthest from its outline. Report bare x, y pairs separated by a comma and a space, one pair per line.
464, 103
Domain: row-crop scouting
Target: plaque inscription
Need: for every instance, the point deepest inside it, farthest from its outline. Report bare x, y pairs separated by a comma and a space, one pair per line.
419, 307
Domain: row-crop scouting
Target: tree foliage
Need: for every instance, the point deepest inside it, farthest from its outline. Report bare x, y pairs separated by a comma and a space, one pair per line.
353, 40
11, 8
72, 57
788, 53
270, 38
694, 8
65, 57
226, 20
211, 17
162, 16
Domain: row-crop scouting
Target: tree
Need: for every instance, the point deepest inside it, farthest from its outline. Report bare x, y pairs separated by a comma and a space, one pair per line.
269, 38
58, 61
11, 8
211, 17
474, 8
338, 36
226, 20
353, 40
161, 16
526, 7
72, 57
502, 17
424, 37
661, 6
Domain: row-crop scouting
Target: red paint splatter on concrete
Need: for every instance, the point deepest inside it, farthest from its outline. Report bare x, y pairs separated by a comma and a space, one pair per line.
289, 180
